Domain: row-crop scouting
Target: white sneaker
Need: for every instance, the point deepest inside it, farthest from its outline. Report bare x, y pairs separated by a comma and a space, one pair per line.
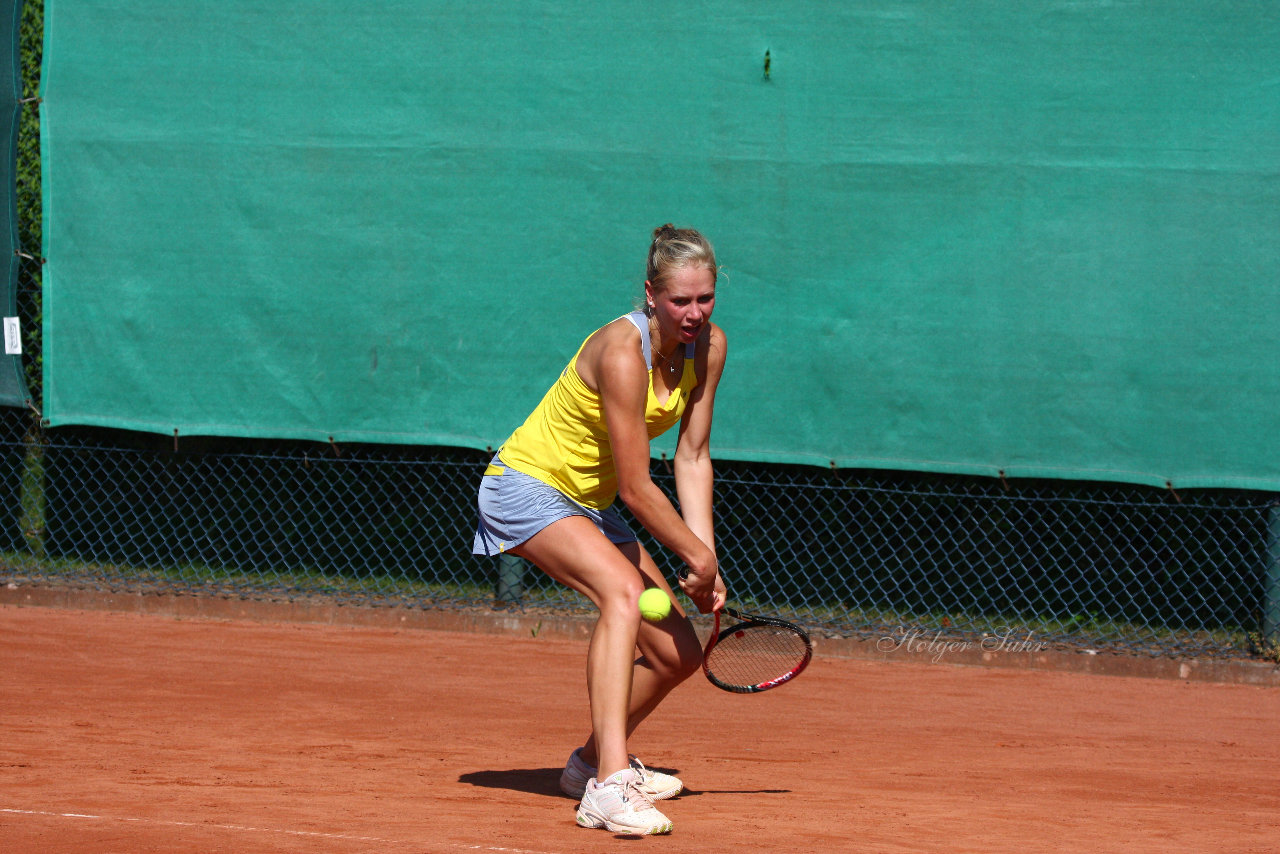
655, 785
619, 806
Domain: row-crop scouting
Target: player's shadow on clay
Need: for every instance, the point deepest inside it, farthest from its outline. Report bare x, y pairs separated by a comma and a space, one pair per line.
546, 781
535, 781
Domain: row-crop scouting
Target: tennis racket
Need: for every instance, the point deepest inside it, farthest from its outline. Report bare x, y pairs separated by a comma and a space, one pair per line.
753, 654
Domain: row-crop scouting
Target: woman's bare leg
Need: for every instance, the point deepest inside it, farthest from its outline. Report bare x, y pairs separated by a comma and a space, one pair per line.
623, 689
575, 553
670, 652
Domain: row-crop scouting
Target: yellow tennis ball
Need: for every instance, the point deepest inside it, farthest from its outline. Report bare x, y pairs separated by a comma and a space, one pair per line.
654, 604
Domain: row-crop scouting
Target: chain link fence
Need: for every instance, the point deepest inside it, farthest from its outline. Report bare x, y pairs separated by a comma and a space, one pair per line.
850, 553
861, 554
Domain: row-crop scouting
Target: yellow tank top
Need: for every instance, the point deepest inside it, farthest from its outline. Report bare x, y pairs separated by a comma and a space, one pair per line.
564, 441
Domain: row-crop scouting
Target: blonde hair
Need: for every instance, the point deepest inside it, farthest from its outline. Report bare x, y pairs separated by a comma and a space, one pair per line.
674, 249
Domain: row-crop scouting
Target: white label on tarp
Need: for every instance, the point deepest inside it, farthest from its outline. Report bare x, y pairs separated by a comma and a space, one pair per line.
12, 337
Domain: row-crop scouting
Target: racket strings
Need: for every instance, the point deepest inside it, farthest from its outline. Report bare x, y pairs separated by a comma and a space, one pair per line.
753, 655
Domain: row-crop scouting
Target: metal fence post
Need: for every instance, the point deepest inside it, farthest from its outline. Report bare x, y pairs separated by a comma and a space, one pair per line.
32, 499
510, 585
1271, 591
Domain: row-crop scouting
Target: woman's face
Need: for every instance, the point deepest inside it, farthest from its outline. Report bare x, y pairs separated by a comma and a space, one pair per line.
684, 307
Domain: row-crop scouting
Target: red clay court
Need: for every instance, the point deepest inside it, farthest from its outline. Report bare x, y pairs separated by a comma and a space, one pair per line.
132, 733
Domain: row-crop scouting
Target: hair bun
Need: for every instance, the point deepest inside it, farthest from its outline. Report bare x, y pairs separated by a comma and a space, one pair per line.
673, 248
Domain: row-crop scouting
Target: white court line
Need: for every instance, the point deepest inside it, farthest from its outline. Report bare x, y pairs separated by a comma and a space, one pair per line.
246, 829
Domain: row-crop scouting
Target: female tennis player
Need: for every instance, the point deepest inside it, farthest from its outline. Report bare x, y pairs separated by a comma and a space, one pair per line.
548, 496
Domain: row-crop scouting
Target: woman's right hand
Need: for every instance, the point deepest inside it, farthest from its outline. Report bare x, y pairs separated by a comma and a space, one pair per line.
700, 581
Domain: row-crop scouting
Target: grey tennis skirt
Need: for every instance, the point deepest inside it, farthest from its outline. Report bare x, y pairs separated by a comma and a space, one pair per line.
514, 506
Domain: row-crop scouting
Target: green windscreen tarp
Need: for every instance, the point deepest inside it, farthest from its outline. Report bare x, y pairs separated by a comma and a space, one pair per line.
13, 383
1036, 237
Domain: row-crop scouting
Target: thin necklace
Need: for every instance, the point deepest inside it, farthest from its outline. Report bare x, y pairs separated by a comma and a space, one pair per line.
669, 361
